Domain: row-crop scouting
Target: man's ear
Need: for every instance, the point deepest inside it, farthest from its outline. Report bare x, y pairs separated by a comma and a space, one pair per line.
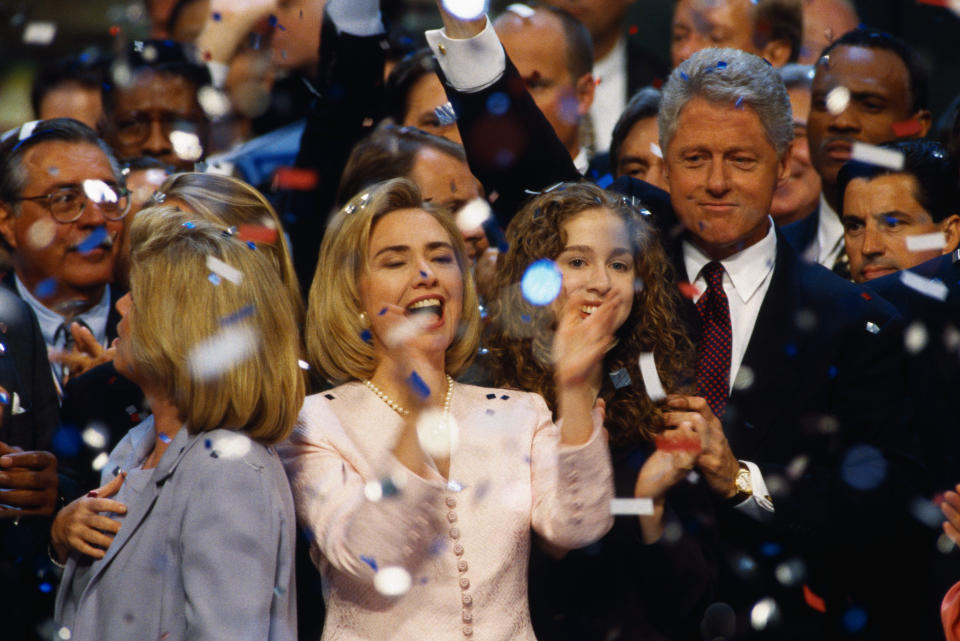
586, 89
950, 227
7, 220
926, 121
776, 52
783, 173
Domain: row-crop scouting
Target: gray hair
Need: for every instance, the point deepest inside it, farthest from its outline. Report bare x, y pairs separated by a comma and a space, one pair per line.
797, 76
728, 76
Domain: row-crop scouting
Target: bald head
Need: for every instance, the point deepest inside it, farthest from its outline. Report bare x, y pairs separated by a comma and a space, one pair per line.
823, 22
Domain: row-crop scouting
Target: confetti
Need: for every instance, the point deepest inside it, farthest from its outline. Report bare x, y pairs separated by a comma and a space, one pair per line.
216, 16
473, 214
721, 65
373, 492
4, 398
369, 561
814, 601
542, 282
907, 128
863, 467
873, 155
165, 438
837, 100
392, 581
439, 435
744, 378
304, 365
637, 507
418, 385
215, 103
294, 179
765, 613
620, 378
651, 379
521, 10
790, 573
94, 240
915, 338
688, 290
655, 150
238, 315
854, 619
873, 328
498, 103
41, 233
39, 33
633, 30
228, 347
224, 270
213, 278
739, 103
446, 115
927, 287
95, 436
924, 242
100, 461
231, 445
186, 145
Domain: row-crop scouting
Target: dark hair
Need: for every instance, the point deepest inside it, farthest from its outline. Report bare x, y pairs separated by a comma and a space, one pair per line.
875, 39
948, 128
928, 162
86, 70
644, 104
389, 152
159, 56
13, 178
779, 20
577, 37
402, 79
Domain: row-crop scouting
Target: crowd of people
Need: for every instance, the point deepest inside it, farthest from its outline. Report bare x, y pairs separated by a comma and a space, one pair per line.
306, 332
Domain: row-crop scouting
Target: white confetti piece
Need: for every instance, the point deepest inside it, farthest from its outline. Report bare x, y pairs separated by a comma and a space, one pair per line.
228, 347
924, 242
873, 155
473, 214
651, 379
232, 446
186, 145
873, 328
466, 9
95, 436
915, 338
932, 288
521, 10
655, 150
215, 103
392, 581
41, 233
439, 435
39, 33
837, 100
100, 461
636, 507
224, 270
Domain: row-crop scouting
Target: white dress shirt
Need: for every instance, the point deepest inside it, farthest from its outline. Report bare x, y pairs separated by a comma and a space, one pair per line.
829, 243
610, 97
746, 279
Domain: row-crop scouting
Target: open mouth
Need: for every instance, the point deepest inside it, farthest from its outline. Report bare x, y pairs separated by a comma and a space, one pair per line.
426, 307
587, 310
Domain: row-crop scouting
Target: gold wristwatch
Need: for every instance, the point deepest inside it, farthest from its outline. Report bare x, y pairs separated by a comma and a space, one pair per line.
743, 484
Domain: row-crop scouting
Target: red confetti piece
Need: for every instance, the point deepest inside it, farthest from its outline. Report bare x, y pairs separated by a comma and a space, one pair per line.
294, 178
935, 3
657, 83
907, 128
688, 290
207, 56
813, 600
866, 296
114, 30
677, 444
257, 233
633, 30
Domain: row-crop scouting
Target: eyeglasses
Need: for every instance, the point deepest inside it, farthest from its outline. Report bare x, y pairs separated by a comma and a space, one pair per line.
135, 130
67, 203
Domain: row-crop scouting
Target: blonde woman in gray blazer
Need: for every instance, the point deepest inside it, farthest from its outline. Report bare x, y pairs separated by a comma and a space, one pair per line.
192, 534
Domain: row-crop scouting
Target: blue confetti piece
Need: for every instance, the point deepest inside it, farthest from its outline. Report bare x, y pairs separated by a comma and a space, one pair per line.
542, 282
4, 398
417, 384
770, 549
605, 181
164, 437
251, 244
525, 318
832, 372
369, 561
366, 336
189, 225
213, 278
238, 315
216, 16
491, 396
739, 103
388, 488
329, 396
854, 619
445, 115
684, 75
863, 467
46, 288
93, 241
423, 274
382, 312
66, 441
504, 397
272, 20
620, 378
46, 588
207, 443
721, 65
790, 349
498, 103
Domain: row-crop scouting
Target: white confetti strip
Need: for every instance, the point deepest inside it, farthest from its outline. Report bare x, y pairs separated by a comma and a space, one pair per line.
932, 288
873, 155
638, 507
651, 379
224, 270
837, 100
655, 150
521, 10
39, 33
228, 347
925, 242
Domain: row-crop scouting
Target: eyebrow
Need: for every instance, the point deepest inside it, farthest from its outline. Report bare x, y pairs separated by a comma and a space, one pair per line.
437, 244
586, 249
625, 159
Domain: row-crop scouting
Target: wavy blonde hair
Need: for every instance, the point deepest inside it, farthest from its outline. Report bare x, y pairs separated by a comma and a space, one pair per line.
334, 328
521, 333
176, 308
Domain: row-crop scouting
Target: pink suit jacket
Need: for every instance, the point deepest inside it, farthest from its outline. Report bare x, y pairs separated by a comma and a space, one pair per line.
465, 543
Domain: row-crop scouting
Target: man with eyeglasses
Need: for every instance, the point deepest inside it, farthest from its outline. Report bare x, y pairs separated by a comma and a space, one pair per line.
62, 210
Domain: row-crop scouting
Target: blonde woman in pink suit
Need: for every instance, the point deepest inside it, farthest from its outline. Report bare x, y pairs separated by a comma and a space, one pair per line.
419, 493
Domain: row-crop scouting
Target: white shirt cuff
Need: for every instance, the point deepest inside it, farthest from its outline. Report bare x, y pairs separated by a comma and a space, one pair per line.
218, 73
356, 17
759, 504
470, 64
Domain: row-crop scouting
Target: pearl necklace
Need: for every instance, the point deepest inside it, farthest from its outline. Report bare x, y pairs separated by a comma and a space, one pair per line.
402, 411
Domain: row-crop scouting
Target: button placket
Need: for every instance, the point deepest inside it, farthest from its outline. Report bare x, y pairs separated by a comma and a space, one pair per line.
466, 600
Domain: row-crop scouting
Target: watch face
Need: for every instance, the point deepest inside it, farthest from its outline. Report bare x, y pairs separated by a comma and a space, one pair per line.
743, 482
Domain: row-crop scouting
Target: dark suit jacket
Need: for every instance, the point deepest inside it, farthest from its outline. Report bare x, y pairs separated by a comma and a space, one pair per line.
803, 233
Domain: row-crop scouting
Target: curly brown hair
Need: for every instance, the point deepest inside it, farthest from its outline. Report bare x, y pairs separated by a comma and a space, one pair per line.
521, 333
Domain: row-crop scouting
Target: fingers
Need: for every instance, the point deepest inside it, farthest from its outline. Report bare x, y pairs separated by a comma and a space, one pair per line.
111, 488
105, 505
4, 448
34, 460
37, 499
85, 341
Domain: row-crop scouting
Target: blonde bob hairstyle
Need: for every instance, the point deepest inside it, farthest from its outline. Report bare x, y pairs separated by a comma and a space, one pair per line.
232, 202
334, 326
176, 307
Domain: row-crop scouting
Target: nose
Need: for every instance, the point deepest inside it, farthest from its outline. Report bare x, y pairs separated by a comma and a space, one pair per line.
92, 214
599, 280
872, 242
845, 121
425, 276
123, 304
158, 142
717, 179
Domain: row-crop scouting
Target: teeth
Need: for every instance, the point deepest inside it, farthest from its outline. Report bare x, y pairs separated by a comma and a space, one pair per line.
426, 302
588, 309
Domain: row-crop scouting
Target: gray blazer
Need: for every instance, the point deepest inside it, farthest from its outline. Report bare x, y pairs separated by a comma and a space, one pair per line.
205, 551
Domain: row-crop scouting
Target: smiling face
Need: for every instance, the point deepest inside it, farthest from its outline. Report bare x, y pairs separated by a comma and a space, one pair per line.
411, 263
47, 249
879, 216
722, 171
597, 259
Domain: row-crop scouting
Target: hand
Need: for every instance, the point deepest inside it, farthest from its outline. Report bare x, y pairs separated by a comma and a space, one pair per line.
951, 509
80, 526
580, 344
676, 454
458, 28
29, 481
221, 35
716, 461
86, 354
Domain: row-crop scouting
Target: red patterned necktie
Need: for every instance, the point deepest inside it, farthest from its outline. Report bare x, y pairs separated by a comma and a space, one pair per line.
713, 370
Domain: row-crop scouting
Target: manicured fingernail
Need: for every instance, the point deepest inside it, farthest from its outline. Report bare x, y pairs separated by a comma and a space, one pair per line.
92, 494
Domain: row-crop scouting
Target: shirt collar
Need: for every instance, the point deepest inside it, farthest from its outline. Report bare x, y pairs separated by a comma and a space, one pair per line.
582, 161
829, 229
747, 269
614, 62
95, 317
